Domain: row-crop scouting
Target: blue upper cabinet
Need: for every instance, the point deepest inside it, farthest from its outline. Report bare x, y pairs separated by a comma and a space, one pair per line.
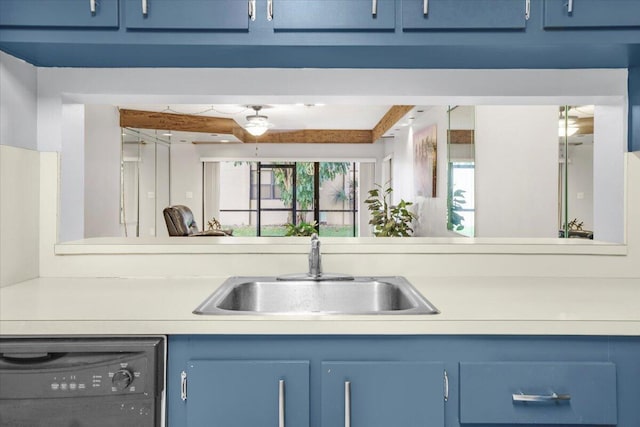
382, 394
246, 393
463, 15
591, 13
200, 15
59, 13
333, 15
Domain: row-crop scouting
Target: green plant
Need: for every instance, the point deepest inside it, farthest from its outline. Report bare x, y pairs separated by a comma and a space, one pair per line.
389, 220
301, 229
454, 204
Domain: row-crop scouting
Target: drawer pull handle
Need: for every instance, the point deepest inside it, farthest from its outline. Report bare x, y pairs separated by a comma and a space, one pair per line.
281, 421
527, 10
252, 10
541, 398
347, 404
92, 6
269, 10
374, 7
570, 7
425, 7
145, 8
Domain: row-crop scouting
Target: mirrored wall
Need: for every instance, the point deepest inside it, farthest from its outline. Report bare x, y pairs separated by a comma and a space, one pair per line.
145, 181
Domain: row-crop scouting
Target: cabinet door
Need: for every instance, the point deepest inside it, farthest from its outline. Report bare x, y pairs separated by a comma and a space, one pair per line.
382, 394
59, 13
463, 14
591, 13
247, 393
203, 15
333, 15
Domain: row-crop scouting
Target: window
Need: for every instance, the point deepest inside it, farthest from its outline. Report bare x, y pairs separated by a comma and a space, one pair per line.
290, 192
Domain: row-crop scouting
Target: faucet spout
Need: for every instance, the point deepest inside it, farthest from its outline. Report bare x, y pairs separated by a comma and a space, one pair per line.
315, 258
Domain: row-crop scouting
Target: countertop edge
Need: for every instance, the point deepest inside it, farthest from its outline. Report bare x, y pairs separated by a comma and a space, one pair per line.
323, 327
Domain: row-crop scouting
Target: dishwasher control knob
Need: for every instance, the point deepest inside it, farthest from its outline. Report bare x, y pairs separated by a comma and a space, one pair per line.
122, 379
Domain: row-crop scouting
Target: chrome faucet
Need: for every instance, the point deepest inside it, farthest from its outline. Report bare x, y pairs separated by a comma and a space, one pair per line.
315, 259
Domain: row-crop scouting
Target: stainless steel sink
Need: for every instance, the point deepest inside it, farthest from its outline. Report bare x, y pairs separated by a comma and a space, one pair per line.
362, 295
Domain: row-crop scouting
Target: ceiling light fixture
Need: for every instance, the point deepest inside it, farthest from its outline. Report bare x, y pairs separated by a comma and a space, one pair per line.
256, 124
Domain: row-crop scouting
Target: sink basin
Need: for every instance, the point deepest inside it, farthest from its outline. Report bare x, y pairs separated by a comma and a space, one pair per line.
362, 295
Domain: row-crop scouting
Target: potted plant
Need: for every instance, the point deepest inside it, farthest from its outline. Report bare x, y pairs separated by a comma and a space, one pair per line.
389, 220
301, 229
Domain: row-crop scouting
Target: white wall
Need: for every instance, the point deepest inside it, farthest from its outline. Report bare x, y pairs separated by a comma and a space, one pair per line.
580, 185
610, 140
18, 102
186, 179
19, 214
516, 171
102, 172
72, 173
19, 171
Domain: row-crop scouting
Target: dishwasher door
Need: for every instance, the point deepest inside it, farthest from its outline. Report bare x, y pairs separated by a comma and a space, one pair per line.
78, 382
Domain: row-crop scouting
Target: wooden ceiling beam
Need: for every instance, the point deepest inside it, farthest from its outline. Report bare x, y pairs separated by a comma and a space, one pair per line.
389, 120
315, 136
178, 122
461, 136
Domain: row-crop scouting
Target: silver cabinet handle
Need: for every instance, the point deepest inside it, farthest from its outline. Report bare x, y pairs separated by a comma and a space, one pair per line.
269, 10
347, 404
92, 6
252, 10
183, 385
527, 10
425, 7
374, 7
540, 398
281, 403
446, 386
145, 9
570, 6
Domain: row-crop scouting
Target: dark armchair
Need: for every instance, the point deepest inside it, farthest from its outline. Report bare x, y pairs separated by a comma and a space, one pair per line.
180, 222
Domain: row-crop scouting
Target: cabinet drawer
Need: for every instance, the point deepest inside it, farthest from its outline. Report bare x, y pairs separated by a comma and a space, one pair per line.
203, 15
592, 14
58, 13
463, 14
586, 393
333, 15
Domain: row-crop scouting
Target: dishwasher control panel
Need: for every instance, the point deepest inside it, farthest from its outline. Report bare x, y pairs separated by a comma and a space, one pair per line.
75, 368
127, 376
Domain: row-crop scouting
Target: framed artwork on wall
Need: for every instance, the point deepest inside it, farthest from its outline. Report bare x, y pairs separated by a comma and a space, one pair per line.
425, 147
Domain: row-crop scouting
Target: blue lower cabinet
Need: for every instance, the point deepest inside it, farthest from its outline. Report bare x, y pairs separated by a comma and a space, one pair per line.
566, 393
246, 393
382, 394
399, 381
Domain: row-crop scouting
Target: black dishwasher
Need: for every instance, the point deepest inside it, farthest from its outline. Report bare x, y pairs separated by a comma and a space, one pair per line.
78, 382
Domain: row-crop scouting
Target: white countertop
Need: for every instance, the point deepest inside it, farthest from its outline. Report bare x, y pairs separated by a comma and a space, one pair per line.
501, 305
